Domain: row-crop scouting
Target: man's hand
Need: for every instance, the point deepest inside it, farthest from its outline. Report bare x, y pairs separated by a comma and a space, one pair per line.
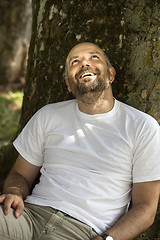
18, 185
14, 201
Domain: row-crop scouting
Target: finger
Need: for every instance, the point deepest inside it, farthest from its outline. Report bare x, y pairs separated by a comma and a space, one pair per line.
19, 209
2, 197
7, 204
18, 205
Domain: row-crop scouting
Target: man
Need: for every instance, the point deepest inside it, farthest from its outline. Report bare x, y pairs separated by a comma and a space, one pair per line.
94, 153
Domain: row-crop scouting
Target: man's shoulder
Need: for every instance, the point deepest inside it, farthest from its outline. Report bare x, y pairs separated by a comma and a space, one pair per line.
137, 115
58, 106
51, 110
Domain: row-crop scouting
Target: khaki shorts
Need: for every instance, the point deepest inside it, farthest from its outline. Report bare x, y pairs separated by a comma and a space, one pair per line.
42, 223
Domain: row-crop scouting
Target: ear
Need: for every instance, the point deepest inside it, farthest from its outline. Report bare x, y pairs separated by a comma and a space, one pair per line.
67, 83
112, 74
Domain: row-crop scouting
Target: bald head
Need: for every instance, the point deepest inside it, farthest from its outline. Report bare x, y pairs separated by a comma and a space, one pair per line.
88, 71
80, 48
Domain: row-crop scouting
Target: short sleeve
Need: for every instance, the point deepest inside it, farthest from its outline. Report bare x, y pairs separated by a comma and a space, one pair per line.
146, 159
30, 142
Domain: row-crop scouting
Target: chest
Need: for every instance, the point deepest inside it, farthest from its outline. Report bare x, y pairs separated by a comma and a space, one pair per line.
99, 147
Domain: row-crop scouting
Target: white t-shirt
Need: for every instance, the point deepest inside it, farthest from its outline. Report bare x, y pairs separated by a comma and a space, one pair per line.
89, 162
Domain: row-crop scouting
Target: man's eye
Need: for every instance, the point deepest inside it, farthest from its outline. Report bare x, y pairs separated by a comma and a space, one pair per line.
74, 61
95, 56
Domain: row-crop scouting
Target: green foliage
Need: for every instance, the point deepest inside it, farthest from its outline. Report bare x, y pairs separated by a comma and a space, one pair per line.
10, 105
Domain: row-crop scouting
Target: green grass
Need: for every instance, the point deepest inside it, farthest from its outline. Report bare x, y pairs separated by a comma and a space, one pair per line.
10, 108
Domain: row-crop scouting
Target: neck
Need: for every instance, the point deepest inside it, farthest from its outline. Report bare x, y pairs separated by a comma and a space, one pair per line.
92, 104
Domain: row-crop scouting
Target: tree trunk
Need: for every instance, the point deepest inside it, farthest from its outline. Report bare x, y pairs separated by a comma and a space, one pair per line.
15, 30
128, 30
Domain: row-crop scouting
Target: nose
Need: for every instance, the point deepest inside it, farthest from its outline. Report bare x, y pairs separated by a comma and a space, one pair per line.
85, 63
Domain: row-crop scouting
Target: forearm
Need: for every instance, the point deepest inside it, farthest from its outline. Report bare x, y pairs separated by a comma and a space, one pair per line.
16, 184
134, 222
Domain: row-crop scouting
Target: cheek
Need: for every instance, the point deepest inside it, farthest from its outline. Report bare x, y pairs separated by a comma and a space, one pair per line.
70, 74
72, 70
72, 82
104, 73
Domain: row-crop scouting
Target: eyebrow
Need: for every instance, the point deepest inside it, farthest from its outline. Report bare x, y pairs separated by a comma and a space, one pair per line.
72, 58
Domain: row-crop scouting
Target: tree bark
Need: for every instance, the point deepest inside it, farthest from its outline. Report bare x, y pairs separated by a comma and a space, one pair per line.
128, 30
15, 31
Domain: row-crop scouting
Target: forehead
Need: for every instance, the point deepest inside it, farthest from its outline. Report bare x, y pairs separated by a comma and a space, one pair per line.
84, 48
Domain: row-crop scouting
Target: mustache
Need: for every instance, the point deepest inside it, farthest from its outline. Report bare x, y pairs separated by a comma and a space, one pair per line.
96, 71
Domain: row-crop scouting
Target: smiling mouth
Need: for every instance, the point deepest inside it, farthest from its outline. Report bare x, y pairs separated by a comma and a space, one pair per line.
87, 74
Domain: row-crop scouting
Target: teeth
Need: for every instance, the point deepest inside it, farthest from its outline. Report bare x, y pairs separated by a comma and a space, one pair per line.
87, 74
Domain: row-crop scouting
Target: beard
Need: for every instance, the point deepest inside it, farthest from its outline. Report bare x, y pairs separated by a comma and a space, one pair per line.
90, 87
87, 85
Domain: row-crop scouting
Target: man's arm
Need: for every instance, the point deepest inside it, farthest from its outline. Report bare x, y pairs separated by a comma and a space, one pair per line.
18, 185
141, 215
